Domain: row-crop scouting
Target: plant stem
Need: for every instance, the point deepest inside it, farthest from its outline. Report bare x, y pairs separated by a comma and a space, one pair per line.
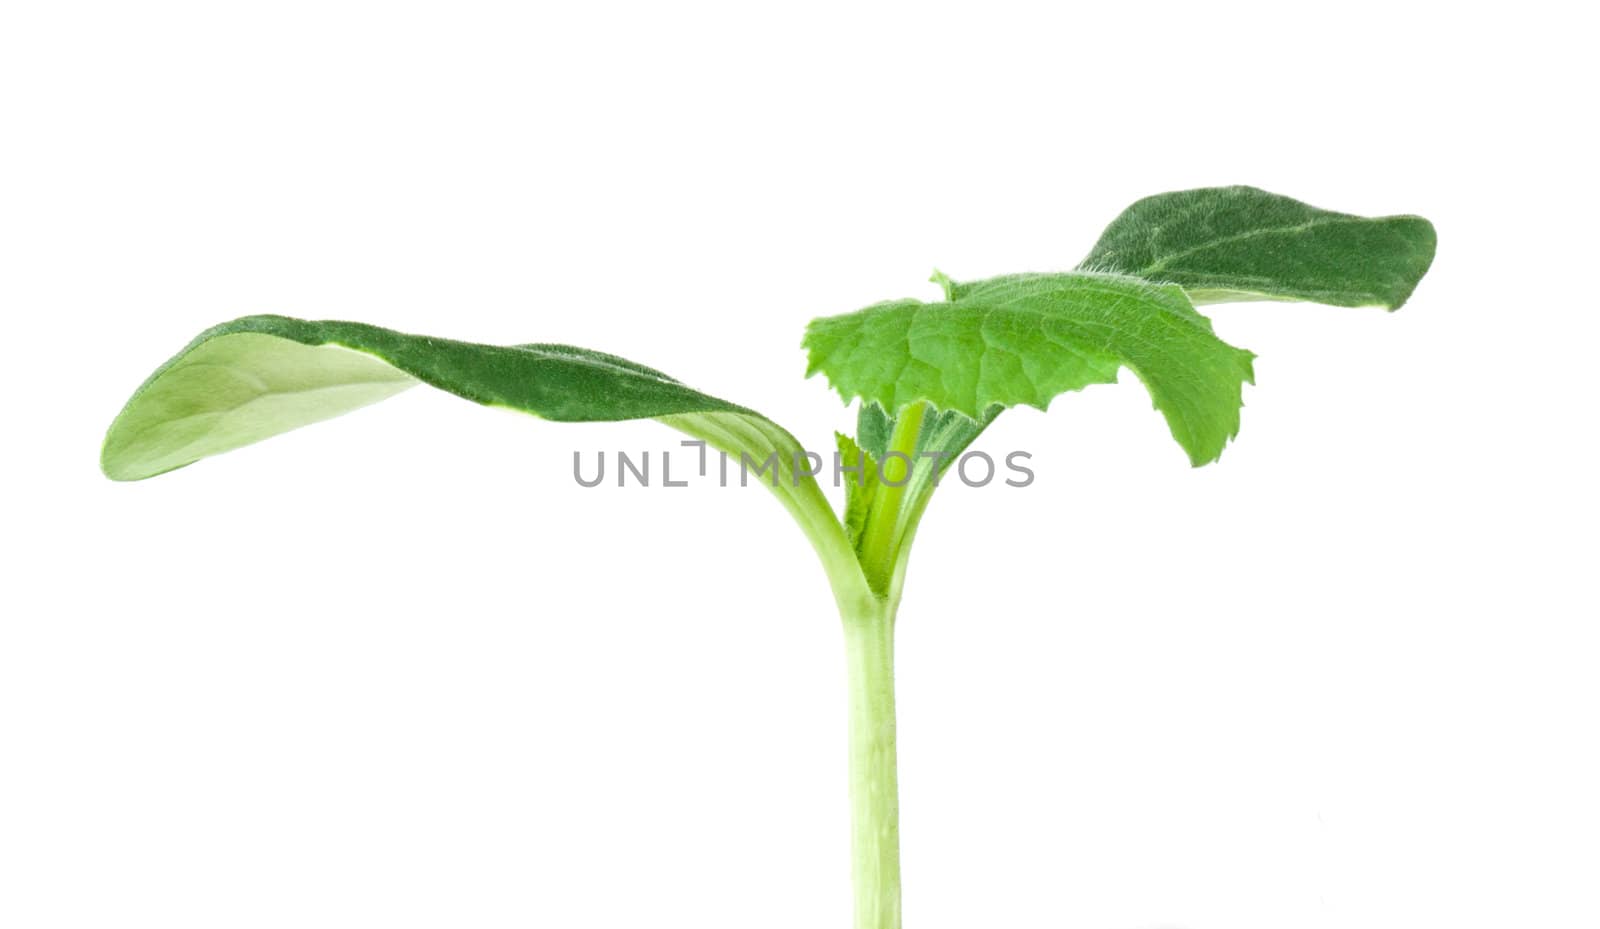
874, 784
868, 616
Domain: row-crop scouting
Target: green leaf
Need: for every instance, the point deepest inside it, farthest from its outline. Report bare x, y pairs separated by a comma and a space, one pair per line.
1024, 339
256, 377
259, 376
1226, 244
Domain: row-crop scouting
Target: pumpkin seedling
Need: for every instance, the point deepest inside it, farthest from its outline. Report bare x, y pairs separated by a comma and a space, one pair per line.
930, 377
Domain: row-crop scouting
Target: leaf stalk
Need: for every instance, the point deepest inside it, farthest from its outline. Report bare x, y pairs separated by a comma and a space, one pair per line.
881, 537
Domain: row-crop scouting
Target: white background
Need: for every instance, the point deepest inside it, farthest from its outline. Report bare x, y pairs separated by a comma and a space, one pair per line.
400, 671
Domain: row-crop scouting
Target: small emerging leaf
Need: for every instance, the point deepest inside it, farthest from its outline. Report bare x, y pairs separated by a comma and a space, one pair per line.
859, 485
1024, 339
873, 428
945, 434
1224, 244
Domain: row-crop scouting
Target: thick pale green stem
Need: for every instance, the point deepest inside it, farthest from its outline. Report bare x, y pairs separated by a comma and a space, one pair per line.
874, 786
869, 648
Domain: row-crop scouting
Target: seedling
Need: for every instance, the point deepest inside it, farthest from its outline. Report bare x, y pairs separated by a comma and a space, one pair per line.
930, 377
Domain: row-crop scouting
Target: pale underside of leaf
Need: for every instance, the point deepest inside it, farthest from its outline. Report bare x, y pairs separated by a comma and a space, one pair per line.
1024, 339
1225, 244
233, 390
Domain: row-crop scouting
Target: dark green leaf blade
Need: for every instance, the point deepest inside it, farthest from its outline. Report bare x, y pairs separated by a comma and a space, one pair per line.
1223, 244
256, 377
1024, 339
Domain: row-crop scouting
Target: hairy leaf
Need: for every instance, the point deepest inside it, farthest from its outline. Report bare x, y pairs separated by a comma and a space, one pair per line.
1225, 244
1024, 339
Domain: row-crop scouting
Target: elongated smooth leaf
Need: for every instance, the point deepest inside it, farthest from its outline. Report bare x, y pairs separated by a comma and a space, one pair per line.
1225, 244
255, 377
1024, 339
252, 378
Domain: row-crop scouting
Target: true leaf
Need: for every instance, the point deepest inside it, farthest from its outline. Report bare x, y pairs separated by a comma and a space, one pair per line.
1024, 339
1224, 244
